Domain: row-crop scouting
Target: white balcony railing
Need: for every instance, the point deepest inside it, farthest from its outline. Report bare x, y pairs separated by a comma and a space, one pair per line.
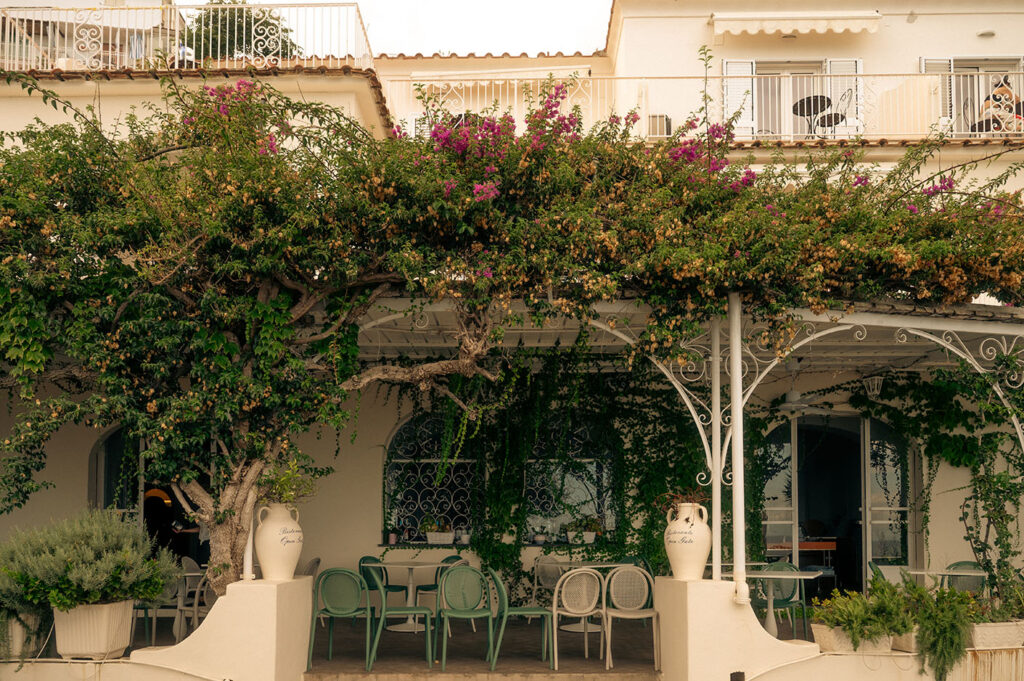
770, 108
183, 36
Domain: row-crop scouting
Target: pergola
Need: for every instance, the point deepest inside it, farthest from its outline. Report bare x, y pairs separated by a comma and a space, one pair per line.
863, 339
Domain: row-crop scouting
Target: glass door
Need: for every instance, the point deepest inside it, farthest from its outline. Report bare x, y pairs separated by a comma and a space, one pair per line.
886, 505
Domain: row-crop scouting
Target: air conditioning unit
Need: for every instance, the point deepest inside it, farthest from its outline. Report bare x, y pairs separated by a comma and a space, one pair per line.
659, 126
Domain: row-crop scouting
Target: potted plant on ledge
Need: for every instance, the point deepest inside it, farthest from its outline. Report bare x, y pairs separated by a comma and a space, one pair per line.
278, 538
89, 569
436, 532
850, 621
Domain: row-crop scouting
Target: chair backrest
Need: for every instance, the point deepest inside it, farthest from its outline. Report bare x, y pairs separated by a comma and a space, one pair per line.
629, 588
501, 591
375, 583
341, 592
205, 595
963, 582
548, 571
786, 590
875, 570
309, 568
447, 560
578, 591
463, 587
366, 569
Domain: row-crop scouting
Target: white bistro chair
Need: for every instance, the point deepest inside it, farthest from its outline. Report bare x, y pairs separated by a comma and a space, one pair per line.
626, 597
546, 572
577, 594
187, 588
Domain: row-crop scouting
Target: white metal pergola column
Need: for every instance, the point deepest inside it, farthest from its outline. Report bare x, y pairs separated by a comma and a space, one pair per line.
716, 448
739, 525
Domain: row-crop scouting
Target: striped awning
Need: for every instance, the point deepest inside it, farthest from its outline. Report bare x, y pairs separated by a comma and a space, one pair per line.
795, 22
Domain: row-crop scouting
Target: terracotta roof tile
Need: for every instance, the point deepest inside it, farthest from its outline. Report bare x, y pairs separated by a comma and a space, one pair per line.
489, 55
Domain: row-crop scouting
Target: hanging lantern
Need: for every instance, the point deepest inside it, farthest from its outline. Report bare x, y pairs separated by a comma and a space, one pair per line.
873, 386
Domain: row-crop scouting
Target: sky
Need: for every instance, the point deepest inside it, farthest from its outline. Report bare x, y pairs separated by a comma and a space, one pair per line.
481, 26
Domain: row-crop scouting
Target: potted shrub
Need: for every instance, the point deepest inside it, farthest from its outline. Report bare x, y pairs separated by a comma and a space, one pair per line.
848, 621
992, 627
89, 569
889, 605
583, 530
436, 532
943, 620
540, 536
23, 623
278, 537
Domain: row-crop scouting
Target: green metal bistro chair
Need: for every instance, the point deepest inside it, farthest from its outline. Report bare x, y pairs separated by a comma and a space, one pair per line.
372, 565
340, 593
505, 611
875, 570
789, 593
464, 595
975, 585
432, 588
400, 611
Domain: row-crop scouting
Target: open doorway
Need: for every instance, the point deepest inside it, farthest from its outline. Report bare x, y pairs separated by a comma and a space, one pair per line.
843, 498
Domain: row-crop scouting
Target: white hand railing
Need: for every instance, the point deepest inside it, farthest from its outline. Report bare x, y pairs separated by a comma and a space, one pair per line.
775, 108
183, 36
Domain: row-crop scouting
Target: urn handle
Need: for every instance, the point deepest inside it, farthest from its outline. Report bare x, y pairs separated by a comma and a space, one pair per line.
668, 515
259, 515
703, 513
295, 512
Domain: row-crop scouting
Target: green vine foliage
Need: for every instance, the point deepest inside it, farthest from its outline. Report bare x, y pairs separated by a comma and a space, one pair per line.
199, 273
954, 416
637, 427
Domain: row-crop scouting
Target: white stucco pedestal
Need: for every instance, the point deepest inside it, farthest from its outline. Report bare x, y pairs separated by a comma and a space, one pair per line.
706, 635
258, 631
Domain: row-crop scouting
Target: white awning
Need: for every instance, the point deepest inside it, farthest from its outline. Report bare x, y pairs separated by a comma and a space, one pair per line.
795, 22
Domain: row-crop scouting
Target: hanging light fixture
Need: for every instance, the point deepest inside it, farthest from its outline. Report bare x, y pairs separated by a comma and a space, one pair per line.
873, 386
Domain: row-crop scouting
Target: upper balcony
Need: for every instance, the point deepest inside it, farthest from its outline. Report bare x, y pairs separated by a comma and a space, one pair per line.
771, 109
112, 38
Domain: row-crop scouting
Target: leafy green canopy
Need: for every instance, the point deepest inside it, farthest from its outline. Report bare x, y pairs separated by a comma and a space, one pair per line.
199, 275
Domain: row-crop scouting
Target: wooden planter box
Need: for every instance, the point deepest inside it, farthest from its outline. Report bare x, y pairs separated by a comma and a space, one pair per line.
992, 635
835, 640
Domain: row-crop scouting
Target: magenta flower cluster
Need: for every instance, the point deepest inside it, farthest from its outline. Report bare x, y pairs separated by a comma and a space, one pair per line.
267, 145
944, 185
488, 139
485, 191
223, 95
860, 181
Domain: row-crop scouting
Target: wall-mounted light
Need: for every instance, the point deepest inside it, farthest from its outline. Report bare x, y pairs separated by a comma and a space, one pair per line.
987, 33
873, 386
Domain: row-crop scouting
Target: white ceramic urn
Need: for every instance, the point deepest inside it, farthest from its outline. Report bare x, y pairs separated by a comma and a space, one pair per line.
278, 541
688, 541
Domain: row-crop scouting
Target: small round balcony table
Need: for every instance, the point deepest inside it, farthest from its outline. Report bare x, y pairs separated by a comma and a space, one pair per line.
809, 108
410, 625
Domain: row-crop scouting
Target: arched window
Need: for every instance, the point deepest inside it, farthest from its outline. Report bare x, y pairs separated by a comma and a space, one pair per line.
567, 477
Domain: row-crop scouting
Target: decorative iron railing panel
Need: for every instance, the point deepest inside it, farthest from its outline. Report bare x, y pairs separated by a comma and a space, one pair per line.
183, 36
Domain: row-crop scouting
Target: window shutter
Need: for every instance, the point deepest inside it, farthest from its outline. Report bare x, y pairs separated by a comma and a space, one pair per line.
942, 92
846, 89
738, 94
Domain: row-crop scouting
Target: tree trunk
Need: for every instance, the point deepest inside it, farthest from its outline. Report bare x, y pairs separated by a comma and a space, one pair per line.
229, 519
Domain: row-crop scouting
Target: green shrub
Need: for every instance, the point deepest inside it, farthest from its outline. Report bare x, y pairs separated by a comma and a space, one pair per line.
943, 624
890, 607
854, 613
94, 557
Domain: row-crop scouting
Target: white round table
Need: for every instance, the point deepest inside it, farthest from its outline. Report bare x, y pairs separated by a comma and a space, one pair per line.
410, 625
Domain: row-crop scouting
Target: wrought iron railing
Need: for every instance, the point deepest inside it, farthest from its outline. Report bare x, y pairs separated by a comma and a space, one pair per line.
763, 107
183, 36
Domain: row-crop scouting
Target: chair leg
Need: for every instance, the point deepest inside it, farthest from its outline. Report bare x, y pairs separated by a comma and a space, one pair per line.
656, 627
444, 648
369, 624
312, 635
607, 642
429, 647
490, 637
496, 645
554, 642
376, 639
586, 639
330, 638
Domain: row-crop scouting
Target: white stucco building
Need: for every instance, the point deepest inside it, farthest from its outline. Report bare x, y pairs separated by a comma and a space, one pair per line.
796, 76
